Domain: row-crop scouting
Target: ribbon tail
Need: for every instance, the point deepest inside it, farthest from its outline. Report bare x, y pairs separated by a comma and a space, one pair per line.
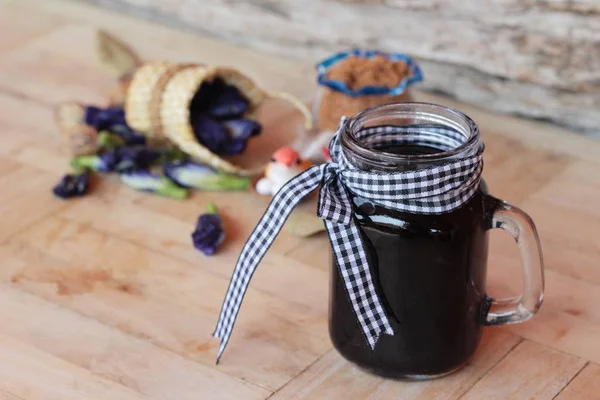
267, 229
353, 265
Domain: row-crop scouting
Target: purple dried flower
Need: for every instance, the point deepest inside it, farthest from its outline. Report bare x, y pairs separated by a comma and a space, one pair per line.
103, 119
200, 176
210, 133
118, 159
144, 180
104, 162
92, 116
112, 119
72, 185
209, 233
233, 147
129, 136
238, 132
229, 104
202, 98
242, 128
139, 157
110, 159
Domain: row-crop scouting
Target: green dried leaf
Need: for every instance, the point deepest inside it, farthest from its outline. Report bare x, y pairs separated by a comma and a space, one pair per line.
303, 224
115, 54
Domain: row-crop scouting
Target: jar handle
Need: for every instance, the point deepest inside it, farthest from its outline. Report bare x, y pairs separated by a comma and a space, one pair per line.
521, 227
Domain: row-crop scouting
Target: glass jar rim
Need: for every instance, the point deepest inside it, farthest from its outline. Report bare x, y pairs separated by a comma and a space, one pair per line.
443, 115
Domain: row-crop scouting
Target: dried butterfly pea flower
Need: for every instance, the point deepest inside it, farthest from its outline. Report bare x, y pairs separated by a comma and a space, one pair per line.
113, 120
230, 103
225, 137
144, 180
199, 176
104, 118
72, 185
210, 133
238, 133
118, 159
242, 128
137, 157
209, 233
104, 162
233, 147
129, 136
207, 91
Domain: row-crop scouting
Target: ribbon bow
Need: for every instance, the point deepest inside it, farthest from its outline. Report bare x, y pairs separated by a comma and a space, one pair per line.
434, 190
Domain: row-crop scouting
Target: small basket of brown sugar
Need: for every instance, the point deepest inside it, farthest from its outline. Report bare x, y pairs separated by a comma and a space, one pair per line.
354, 80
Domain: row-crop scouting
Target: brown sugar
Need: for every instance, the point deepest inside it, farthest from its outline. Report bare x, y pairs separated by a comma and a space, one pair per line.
357, 72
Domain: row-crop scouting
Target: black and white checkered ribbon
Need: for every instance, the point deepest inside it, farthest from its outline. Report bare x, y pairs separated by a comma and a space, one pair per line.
434, 190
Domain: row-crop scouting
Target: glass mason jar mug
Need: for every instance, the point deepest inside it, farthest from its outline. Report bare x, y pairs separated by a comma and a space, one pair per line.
429, 270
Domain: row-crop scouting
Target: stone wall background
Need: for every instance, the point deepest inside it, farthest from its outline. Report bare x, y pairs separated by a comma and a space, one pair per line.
539, 59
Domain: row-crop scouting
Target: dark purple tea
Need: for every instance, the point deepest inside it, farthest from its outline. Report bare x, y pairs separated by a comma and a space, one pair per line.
430, 272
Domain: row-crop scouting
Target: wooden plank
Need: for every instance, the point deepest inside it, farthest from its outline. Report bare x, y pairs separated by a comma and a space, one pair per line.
153, 41
277, 275
32, 141
568, 320
23, 29
564, 327
70, 70
27, 120
10, 143
530, 371
575, 188
34, 155
7, 165
111, 354
513, 171
333, 377
131, 288
8, 396
26, 198
137, 222
314, 251
31, 374
586, 385
562, 331
568, 237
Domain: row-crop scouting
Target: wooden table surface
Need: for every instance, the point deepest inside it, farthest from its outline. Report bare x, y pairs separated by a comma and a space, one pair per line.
104, 297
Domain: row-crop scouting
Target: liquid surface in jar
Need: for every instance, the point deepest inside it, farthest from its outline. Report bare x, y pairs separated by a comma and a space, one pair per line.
411, 150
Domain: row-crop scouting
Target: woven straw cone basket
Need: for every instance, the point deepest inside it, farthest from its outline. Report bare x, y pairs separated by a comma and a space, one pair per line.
158, 101
78, 139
